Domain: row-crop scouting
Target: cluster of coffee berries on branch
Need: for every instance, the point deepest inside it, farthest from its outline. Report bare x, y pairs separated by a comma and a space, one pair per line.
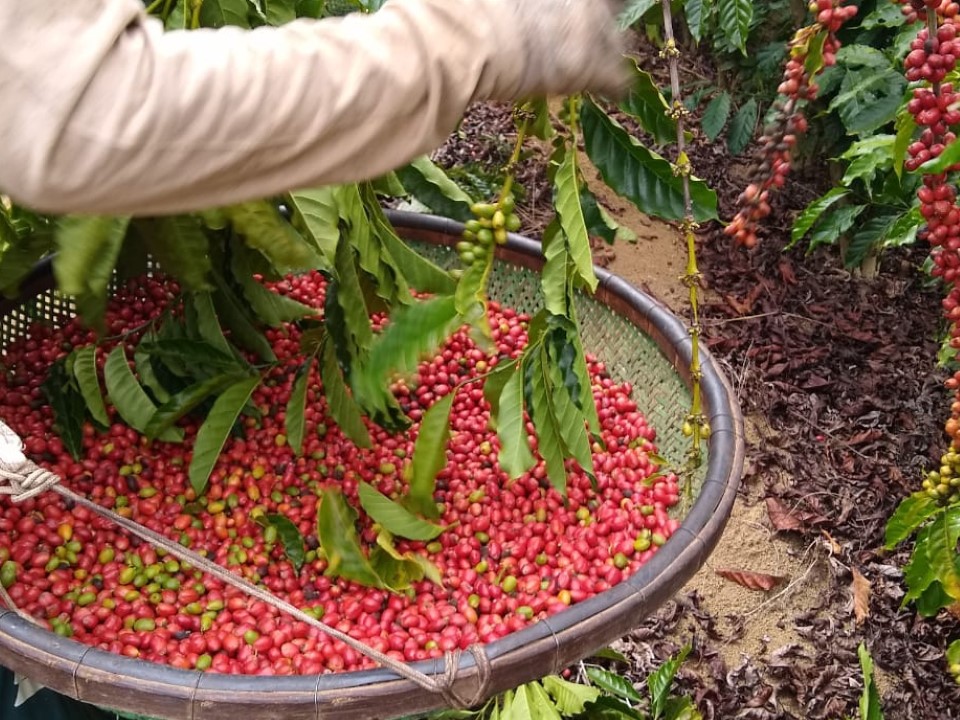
780, 136
915, 10
936, 107
491, 224
943, 484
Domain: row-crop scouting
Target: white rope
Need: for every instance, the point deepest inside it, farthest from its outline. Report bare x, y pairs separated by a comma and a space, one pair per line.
25, 479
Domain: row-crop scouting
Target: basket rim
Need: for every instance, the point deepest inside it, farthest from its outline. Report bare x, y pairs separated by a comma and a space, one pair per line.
102, 678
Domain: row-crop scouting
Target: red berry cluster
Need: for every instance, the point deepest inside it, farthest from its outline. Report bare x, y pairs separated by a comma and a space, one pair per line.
936, 107
930, 60
917, 9
781, 135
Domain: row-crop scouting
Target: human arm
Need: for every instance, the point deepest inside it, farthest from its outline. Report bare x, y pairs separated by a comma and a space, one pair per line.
103, 112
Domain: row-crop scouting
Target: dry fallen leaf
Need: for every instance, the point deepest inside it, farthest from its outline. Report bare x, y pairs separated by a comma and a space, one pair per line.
861, 596
780, 517
751, 580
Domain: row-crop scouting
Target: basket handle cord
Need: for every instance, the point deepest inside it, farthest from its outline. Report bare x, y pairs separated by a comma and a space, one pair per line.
23, 479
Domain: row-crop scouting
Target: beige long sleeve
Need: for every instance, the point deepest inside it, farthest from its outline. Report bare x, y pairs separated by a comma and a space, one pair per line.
103, 112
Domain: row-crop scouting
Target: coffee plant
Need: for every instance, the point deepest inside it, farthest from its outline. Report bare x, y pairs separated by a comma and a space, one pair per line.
869, 205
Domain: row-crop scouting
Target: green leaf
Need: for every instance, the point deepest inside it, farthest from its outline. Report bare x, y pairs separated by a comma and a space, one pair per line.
177, 19
515, 457
264, 229
340, 403
145, 369
697, 13
87, 251
316, 215
569, 697
269, 306
869, 98
633, 10
20, 256
905, 126
339, 542
348, 297
572, 222
389, 185
553, 276
918, 574
187, 400
197, 356
904, 229
869, 238
647, 105
610, 708
208, 324
540, 703
215, 429
181, 247
430, 456
806, 219
569, 419
910, 514
367, 224
280, 12
870, 708
680, 708
941, 548
415, 566
218, 13
128, 397
295, 419
393, 517
863, 56
933, 600
291, 539
715, 116
834, 225
430, 185
420, 272
742, 126
520, 708
638, 174
493, 387
549, 443
235, 318
68, 407
868, 146
953, 653
85, 372
660, 682
599, 223
884, 15
735, 17
866, 166
541, 125
612, 683
608, 653
414, 333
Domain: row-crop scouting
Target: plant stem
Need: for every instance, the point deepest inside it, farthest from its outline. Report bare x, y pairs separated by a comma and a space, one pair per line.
695, 423
195, 6
514, 158
153, 6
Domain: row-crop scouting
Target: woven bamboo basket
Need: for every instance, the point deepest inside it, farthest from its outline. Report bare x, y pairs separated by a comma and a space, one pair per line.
640, 341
